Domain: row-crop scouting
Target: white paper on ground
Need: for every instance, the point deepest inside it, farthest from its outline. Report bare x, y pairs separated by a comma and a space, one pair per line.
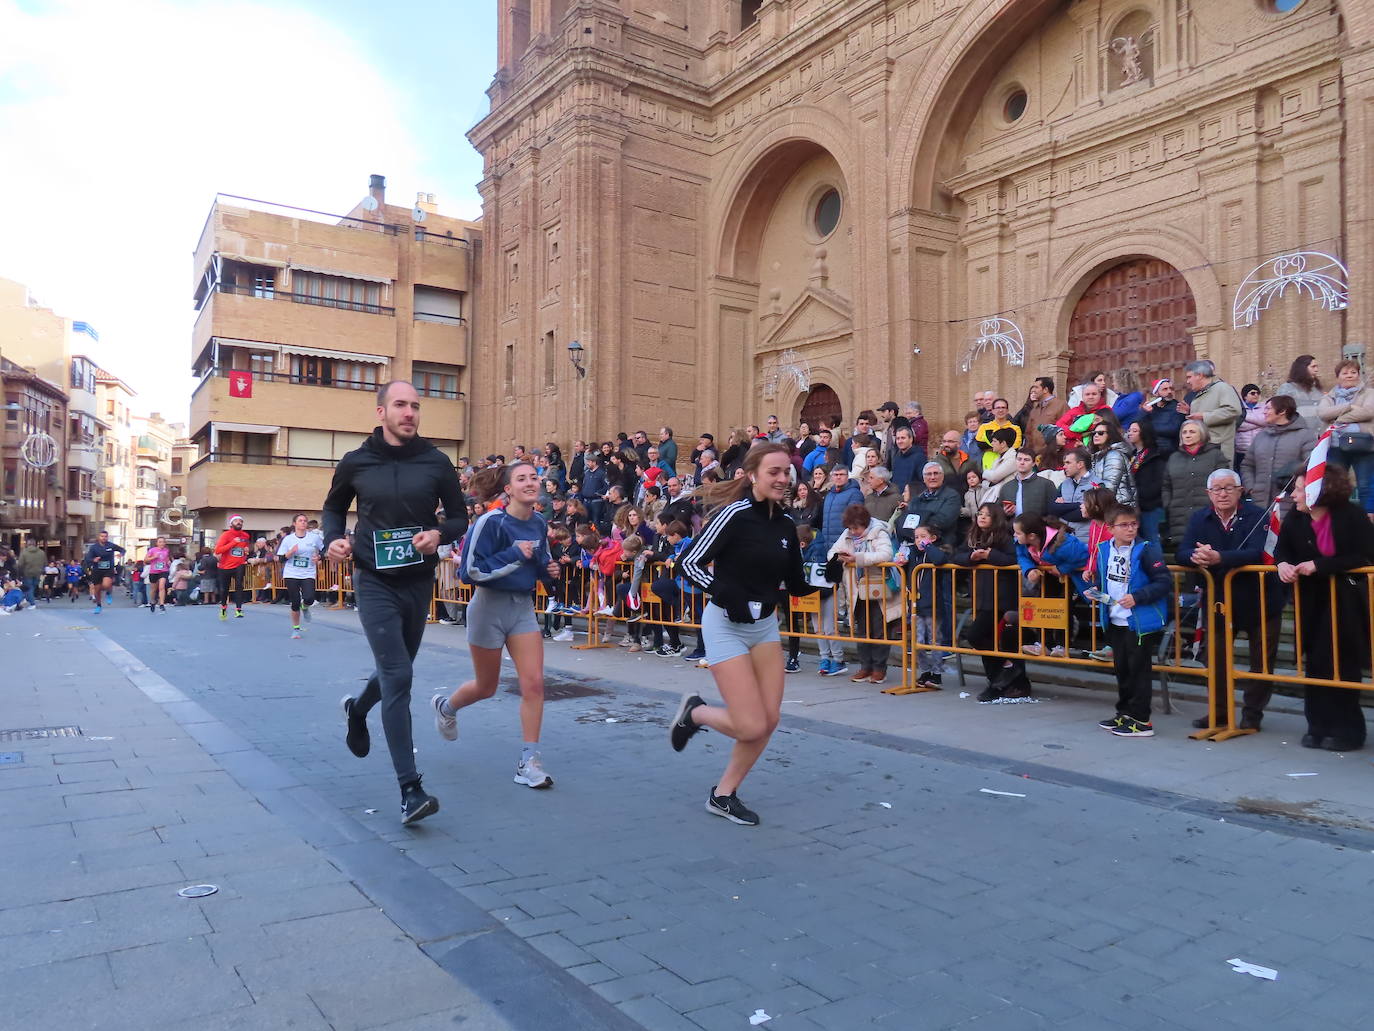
759, 1017
1242, 967
886, 805
963, 694
1302, 774
1009, 794
369, 811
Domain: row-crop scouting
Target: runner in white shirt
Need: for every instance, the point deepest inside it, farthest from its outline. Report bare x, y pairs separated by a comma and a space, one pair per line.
299, 552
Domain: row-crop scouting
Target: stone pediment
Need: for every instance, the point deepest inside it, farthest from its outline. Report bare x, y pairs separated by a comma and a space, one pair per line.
818, 314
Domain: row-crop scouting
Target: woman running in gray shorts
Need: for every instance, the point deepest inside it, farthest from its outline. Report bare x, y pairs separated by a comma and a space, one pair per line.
505, 554
757, 563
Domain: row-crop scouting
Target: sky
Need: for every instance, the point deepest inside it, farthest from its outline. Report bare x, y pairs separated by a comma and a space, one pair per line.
121, 120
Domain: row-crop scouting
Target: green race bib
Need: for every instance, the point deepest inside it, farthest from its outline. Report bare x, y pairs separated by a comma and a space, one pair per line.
300, 563
394, 549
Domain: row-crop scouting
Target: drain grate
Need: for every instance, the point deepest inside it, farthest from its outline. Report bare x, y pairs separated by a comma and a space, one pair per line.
11, 758
560, 689
39, 733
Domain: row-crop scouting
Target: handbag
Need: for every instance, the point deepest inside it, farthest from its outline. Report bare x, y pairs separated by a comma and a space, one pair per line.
1351, 442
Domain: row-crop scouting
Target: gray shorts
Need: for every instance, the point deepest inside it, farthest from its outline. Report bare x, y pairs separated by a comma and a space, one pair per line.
726, 640
495, 615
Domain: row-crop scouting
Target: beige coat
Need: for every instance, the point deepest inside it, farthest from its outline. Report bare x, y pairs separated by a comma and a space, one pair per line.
1219, 407
1359, 412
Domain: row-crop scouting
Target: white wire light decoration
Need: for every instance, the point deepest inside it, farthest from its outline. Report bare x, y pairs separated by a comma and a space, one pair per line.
1320, 276
1001, 334
39, 451
788, 365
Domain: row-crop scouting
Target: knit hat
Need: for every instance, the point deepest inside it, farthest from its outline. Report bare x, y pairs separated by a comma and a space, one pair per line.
1154, 387
233, 517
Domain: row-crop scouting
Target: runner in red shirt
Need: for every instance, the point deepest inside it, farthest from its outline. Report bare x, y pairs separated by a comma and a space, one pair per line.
232, 552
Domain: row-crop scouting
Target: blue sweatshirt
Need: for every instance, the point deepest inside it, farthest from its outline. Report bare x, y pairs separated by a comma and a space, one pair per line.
491, 558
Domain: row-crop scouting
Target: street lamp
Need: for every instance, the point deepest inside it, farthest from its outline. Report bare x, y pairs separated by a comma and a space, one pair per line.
575, 352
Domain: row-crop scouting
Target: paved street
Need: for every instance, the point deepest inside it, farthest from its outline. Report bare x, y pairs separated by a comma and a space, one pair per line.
886, 887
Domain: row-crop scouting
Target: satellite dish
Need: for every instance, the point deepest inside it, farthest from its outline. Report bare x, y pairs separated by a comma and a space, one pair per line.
369, 203
418, 214
179, 501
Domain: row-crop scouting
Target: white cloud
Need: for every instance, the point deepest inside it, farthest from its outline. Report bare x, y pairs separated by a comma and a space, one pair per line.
121, 121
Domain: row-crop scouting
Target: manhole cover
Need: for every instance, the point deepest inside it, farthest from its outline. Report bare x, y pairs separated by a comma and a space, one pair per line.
39, 733
560, 689
198, 891
11, 758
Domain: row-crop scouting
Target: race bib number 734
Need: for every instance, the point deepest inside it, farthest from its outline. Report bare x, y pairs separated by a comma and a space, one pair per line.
394, 549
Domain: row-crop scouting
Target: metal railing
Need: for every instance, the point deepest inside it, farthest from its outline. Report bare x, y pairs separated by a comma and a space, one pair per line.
245, 458
274, 294
299, 379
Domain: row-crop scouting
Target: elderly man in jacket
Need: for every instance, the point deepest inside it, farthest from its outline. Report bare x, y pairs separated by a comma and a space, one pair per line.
937, 505
883, 499
1214, 403
1227, 534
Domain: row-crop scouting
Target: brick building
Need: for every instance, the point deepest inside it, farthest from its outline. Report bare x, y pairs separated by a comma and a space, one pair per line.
694, 191
300, 317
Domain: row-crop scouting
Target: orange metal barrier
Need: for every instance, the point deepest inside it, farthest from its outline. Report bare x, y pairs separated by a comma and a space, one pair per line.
334, 578
1043, 621
1342, 659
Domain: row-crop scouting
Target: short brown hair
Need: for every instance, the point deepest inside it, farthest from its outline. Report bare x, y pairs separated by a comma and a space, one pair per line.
856, 517
677, 528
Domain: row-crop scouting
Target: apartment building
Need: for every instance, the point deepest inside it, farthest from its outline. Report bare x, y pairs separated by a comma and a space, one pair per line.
114, 401
153, 441
300, 316
31, 495
50, 347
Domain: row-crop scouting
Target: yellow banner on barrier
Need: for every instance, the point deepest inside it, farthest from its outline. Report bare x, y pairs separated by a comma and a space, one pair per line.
1045, 613
806, 603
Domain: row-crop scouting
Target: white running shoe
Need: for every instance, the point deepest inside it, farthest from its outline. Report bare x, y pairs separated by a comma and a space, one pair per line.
605, 610
565, 634
295, 635
530, 772
447, 726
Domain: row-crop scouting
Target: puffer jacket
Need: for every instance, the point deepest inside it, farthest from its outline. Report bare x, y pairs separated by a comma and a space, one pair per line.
874, 547
1275, 454
1112, 469
1308, 402
1149, 481
832, 511
1185, 484
1250, 427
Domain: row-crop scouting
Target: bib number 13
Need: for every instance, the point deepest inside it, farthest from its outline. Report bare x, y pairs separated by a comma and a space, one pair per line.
396, 548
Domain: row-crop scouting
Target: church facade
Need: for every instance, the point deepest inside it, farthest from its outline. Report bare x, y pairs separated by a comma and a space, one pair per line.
806, 207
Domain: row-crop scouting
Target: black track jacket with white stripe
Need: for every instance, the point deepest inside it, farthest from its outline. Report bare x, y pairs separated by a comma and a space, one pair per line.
753, 545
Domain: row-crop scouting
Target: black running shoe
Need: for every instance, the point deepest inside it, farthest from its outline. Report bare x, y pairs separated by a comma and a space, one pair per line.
359, 741
989, 694
730, 807
416, 804
682, 728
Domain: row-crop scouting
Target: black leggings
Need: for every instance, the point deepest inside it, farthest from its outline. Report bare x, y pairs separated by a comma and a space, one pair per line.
226, 577
299, 589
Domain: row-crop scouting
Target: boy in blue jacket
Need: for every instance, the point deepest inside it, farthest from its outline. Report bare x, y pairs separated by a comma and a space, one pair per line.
1131, 586
934, 603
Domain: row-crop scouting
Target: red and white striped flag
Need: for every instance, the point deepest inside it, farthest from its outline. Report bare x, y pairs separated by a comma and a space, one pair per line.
1316, 469
1271, 538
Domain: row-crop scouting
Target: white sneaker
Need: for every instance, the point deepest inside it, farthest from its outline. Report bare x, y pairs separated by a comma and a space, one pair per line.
530, 772
447, 726
1057, 652
605, 610
565, 634
1033, 649
626, 641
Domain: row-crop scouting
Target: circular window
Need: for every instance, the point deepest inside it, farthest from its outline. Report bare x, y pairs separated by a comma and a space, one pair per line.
1283, 6
826, 215
1015, 105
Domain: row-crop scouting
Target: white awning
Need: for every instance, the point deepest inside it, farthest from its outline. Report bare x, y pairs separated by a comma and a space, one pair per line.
243, 427
343, 356
252, 345
271, 262
335, 272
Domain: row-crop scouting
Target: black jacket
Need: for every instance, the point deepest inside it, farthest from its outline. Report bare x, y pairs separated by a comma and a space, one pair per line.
757, 558
395, 487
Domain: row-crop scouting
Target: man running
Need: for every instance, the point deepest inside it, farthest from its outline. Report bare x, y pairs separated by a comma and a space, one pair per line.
231, 551
399, 480
100, 563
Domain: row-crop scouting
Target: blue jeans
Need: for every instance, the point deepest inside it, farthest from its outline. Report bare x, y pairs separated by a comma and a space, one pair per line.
1150, 523
30, 585
140, 593
1362, 469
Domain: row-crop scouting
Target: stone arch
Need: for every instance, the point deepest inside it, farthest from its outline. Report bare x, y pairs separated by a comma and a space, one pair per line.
1082, 267
980, 38
791, 400
784, 140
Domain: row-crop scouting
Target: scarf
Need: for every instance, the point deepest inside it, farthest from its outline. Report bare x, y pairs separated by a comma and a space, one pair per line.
1344, 395
1138, 459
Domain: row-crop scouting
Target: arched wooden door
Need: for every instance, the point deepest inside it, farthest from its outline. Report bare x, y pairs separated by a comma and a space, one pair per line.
821, 403
1135, 315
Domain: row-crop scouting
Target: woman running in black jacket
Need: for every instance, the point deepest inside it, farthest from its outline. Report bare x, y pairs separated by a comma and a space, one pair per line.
757, 563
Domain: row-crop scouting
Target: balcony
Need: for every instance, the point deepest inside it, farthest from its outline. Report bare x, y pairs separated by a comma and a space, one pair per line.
441, 339
280, 400
442, 261
237, 312
226, 479
83, 506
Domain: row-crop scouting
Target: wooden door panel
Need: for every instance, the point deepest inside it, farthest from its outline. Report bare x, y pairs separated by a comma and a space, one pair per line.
1135, 315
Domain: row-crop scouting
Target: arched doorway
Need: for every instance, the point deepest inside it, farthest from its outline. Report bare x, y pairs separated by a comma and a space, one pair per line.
1136, 315
821, 403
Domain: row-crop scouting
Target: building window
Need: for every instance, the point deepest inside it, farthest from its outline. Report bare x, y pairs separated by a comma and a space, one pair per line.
264, 283
262, 365
176, 466
510, 370
826, 215
1015, 105
336, 291
439, 381
748, 13
12, 414
146, 518
550, 374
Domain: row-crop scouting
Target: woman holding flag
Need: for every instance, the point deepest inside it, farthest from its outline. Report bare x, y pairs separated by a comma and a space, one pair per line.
1319, 542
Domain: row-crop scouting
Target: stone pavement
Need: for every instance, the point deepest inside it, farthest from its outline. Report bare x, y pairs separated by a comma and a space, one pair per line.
885, 887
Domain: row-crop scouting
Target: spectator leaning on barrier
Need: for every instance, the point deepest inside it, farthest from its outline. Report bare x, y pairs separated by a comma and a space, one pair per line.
989, 543
874, 606
1278, 453
1220, 536
1112, 460
1185, 476
1027, 492
1215, 403
1316, 547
